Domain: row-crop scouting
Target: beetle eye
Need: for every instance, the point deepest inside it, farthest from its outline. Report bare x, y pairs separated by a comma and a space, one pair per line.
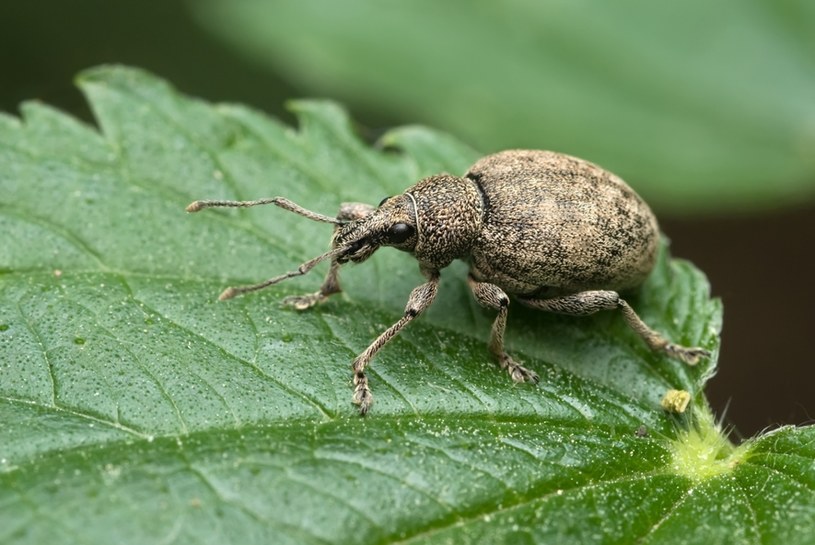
382, 202
400, 232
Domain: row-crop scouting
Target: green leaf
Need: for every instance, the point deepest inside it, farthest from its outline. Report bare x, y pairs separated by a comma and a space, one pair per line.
135, 408
702, 106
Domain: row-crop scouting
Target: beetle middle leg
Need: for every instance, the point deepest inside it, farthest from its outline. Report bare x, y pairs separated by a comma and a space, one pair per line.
491, 296
420, 298
349, 211
589, 302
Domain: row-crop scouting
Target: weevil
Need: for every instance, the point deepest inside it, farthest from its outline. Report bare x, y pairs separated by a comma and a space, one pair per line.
557, 233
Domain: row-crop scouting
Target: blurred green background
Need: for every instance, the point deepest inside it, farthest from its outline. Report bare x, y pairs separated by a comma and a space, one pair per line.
707, 109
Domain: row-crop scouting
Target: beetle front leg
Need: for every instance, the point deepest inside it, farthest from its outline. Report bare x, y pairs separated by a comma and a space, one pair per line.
491, 296
331, 285
349, 211
589, 302
420, 298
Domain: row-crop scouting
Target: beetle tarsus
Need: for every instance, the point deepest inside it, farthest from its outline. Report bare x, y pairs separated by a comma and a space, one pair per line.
690, 355
518, 372
305, 301
362, 393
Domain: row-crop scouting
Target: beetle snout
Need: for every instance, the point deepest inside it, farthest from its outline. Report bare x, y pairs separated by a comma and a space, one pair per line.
356, 251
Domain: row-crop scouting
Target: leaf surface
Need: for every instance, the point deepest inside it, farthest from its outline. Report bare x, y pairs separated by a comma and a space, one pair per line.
134, 407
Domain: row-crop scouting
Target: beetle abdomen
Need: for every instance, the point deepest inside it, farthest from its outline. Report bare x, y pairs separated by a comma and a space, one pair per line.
552, 220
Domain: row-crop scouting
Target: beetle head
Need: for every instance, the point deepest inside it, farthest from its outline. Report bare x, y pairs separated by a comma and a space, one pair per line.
437, 220
393, 223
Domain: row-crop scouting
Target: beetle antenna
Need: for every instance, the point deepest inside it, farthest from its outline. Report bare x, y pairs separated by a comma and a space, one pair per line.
231, 292
285, 204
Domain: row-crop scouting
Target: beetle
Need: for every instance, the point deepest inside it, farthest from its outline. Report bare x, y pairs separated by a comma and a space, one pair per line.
556, 232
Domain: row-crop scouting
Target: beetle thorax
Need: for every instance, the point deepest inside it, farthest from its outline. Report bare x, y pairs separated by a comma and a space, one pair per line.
450, 212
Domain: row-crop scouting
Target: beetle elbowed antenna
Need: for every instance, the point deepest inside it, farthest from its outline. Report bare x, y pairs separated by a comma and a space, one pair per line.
286, 204
556, 232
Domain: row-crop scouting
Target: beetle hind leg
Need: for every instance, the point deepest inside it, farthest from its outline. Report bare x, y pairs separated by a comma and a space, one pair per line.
491, 296
589, 302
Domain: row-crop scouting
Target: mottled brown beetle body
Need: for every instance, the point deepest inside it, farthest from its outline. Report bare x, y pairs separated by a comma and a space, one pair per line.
558, 233
557, 223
